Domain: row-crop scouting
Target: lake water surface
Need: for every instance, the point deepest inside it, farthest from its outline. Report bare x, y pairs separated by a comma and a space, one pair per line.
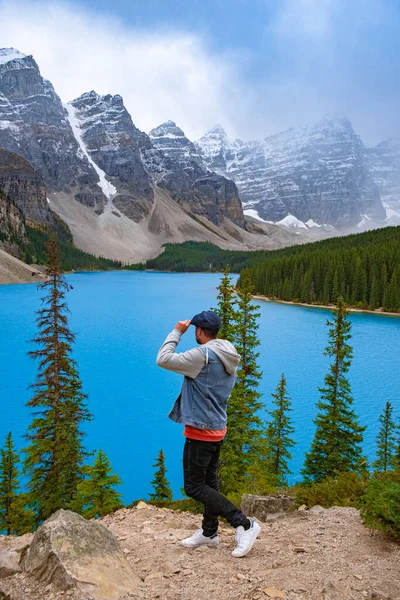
121, 318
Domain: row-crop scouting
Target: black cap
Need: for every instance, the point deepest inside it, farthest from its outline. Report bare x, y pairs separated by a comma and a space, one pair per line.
207, 320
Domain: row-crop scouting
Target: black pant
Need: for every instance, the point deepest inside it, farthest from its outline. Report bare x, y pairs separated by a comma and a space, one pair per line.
200, 465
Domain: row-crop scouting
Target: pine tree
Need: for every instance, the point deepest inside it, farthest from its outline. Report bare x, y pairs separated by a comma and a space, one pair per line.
55, 454
241, 446
9, 484
14, 517
386, 441
96, 495
162, 491
279, 430
336, 445
226, 306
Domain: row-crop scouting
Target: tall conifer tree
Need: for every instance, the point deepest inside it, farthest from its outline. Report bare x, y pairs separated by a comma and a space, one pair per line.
278, 435
226, 306
386, 441
55, 454
162, 490
336, 445
242, 444
9, 485
15, 518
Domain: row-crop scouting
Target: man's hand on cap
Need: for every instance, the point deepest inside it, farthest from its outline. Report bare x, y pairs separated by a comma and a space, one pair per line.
182, 325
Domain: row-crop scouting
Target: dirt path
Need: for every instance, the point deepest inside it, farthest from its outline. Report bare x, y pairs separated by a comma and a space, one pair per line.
313, 555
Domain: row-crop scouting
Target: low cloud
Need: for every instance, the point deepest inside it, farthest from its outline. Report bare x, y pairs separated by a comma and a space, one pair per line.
327, 56
160, 75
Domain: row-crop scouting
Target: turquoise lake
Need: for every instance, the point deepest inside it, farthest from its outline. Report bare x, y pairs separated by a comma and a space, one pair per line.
121, 319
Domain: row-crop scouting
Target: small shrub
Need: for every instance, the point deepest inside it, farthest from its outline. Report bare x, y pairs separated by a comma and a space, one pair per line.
346, 489
381, 505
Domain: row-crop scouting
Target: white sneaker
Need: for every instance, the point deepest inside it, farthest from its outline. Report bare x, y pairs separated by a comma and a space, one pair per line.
198, 539
245, 539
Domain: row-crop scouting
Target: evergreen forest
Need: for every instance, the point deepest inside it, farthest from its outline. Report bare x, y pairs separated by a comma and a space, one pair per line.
363, 269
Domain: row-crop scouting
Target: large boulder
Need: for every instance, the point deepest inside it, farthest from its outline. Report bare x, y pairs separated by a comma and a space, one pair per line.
262, 506
70, 552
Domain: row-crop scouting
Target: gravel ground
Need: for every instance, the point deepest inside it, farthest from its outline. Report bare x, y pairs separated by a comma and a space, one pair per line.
312, 555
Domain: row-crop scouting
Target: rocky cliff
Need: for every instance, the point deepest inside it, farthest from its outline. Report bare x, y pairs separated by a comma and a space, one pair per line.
317, 174
34, 124
12, 226
25, 188
178, 167
105, 132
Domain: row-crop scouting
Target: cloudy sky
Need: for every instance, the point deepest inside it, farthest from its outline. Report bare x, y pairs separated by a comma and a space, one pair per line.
254, 66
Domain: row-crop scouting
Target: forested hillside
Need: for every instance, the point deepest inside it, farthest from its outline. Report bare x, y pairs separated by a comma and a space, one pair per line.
363, 268
199, 256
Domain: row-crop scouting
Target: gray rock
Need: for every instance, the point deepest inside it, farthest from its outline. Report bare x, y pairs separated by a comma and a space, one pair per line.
70, 552
9, 563
317, 509
262, 506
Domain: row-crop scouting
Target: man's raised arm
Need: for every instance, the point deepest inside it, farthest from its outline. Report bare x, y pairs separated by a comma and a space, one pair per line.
187, 363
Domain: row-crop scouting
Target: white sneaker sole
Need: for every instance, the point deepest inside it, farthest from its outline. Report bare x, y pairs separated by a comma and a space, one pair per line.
209, 545
256, 530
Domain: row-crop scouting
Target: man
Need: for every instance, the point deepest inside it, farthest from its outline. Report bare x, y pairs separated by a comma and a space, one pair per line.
210, 373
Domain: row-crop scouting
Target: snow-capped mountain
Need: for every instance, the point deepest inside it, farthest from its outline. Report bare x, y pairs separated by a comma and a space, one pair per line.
107, 136
34, 124
384, 164
317, 173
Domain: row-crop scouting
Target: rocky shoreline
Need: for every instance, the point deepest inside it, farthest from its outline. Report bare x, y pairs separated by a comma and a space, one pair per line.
327, 306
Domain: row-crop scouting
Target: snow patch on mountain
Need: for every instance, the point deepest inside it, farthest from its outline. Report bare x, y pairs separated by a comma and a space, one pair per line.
292, 221
7, 54
107, 188
392, 216
364, 221
310, 223
250, 212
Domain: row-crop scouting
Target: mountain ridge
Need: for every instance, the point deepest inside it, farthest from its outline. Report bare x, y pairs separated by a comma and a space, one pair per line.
316, 172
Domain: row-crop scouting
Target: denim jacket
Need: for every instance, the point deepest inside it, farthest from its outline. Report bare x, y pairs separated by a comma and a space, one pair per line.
210, 374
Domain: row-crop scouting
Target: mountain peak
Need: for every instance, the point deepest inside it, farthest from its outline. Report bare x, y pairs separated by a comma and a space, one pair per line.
217, 130
335, 120
7, 54
167, 129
